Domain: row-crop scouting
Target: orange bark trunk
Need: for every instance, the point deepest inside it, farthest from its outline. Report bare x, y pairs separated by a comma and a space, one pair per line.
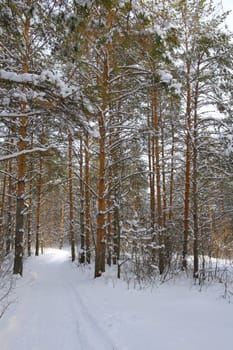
38, 210
82, 257
188, 146
100, 235
71, 203
87, 202
22, 166
158, 179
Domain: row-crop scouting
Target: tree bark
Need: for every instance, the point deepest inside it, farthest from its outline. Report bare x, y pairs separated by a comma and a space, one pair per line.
9, 228
22, 166
171, 187
71, 203
188, 146
38, 209
20, 204
61, 226
151, 163
2, 211
87, 201
29, 216
158, 179
100, 235
195, 183
82, 257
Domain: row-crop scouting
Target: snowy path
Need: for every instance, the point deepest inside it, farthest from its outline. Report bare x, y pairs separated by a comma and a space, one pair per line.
49, 313
62, 307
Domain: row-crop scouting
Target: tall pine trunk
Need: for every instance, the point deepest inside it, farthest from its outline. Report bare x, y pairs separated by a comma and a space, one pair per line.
29, 216
71, 202
82, 258
20, 199
9, 228
187, 145
100, 235
22, 166
171, 187
151, 163
61, 226
2, 211
38, 209
195, 182
87, 198
158, 179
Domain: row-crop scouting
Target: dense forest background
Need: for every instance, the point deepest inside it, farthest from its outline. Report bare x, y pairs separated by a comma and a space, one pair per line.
116, 132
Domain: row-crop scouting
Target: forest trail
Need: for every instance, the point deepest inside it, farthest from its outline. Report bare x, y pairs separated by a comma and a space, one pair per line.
58, 306
48, 313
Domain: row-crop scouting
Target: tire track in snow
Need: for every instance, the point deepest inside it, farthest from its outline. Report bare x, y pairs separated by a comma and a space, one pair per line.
50, 313
93, 337
41, 318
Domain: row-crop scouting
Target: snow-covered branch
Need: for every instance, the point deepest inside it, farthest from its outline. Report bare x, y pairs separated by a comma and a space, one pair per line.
27, 151
18, 115
36, 80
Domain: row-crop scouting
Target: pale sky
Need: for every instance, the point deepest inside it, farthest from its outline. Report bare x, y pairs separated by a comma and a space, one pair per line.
228, 5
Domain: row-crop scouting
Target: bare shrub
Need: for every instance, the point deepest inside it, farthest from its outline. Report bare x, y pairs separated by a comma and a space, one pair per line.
6, 283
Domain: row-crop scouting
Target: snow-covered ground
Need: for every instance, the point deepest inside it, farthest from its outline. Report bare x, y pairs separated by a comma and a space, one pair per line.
61, 307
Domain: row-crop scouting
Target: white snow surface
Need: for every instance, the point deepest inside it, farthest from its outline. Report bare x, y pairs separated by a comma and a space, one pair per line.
59, 306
